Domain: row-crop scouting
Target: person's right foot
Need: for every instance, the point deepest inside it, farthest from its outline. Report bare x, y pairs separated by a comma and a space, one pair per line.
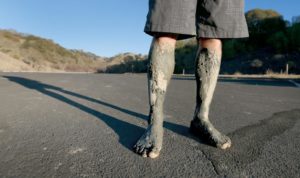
207, 132
150, 144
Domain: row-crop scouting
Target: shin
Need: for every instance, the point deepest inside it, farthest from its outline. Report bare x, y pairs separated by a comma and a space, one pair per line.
160, 70
208, 63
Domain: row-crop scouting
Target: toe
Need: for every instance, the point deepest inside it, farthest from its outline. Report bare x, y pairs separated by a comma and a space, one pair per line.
134, 147
140, 149
138, 144
154, 153
227, 144
144, 153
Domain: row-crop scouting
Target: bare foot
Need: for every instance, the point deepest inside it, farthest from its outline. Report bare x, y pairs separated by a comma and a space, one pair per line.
207, 132
150, 144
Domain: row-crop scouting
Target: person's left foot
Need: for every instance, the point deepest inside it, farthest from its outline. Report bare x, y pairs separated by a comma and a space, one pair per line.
207, 132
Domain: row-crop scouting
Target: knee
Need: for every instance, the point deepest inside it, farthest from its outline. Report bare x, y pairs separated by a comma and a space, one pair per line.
210, 43
168, 39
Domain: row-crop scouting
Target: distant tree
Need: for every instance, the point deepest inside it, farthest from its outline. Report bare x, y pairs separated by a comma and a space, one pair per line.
260, 14
294, 37
279, 41
131, 66
264, 21
263, 24
296, 19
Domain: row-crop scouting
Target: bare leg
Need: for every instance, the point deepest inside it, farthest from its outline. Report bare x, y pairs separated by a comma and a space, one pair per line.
160, 70
208, 63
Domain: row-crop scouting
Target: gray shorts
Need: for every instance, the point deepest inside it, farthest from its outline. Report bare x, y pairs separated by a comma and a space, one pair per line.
201, 18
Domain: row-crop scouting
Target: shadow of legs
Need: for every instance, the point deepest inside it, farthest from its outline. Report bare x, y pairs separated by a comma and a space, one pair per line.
128, 133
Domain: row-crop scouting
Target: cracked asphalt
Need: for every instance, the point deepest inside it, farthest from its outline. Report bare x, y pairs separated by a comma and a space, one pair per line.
84, 125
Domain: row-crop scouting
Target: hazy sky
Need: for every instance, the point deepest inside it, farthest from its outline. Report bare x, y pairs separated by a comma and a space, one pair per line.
104, 27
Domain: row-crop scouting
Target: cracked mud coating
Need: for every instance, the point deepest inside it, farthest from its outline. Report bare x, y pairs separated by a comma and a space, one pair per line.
160, 70
207, 71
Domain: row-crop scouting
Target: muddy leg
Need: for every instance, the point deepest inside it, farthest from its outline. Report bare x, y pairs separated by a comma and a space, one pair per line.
160, 70
208, 63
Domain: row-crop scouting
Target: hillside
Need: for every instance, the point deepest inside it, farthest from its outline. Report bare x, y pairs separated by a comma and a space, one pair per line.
22, 52
127, 62
8, 64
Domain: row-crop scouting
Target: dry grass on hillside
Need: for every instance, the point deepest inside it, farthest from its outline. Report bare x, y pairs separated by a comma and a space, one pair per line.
39, 54
21, 52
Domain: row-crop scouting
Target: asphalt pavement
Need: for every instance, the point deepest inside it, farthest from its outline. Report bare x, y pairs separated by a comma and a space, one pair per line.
84, 125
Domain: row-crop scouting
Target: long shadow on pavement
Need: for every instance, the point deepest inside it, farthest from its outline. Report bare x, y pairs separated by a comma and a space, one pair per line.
128, 133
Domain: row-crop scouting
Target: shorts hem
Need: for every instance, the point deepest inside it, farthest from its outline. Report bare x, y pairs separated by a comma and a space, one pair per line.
212, 32
182, 32
204, 32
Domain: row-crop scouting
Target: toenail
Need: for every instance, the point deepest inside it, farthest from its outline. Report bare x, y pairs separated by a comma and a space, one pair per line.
153, 155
